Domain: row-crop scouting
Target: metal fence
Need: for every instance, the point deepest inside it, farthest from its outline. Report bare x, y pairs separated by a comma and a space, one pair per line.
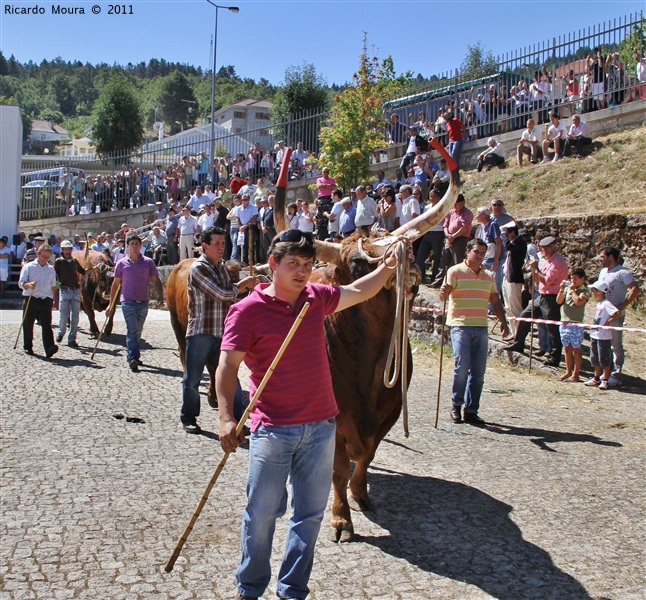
487, 100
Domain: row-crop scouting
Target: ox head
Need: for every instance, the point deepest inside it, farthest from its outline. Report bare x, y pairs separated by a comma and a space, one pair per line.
335, 253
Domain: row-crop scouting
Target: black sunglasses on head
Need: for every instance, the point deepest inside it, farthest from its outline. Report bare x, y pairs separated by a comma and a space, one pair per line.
296, 235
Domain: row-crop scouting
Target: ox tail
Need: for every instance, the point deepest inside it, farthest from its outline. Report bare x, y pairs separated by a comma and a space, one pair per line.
281, 191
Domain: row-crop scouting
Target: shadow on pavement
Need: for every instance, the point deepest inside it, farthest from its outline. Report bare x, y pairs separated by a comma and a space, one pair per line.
543, 437
459, 532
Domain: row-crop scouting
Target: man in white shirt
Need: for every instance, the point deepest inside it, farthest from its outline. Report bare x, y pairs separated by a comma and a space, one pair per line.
410, 206
209, 194
247, 215
207, 218
196, 199
186, 230
492, 155
555, 136
366, 210
530, 143
577, 136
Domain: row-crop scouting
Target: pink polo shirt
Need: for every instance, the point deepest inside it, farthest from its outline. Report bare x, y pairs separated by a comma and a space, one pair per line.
555, 270
454, 221
325, 185
300, 389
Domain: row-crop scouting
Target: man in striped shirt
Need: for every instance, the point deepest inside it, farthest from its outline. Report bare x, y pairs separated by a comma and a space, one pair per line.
470, 288
210, 294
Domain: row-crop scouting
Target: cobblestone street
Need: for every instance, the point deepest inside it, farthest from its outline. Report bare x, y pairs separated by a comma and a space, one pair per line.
546, 502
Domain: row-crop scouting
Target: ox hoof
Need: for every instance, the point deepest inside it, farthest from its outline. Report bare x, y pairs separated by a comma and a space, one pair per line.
361, 503
213, 401
343, 535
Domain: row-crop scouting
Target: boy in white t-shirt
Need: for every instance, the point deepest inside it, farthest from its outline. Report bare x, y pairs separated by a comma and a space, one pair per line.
600, 349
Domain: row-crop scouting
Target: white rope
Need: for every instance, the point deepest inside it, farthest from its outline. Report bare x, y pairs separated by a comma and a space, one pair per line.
397, 359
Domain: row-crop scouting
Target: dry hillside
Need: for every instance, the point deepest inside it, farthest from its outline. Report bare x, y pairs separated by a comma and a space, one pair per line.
611, 179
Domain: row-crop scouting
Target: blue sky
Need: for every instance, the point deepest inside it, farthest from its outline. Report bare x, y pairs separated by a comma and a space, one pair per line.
266, 37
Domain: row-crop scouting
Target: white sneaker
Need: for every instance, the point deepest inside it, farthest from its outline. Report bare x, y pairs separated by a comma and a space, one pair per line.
592, 382
604, 384
556, 158
613, 381
545, 159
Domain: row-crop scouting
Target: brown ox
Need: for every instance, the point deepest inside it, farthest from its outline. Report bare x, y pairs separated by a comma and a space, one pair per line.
357, 342
95, 287
177, 302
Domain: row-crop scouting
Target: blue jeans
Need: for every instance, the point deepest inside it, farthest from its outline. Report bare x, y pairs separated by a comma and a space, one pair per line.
235, 251
305, 454
200, 350
455, 149
470, 346
134, 314
70, 301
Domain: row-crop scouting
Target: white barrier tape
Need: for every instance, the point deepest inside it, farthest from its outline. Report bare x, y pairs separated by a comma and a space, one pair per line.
439, 311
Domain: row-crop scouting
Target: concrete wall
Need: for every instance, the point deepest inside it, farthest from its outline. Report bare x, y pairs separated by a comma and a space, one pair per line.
10, 164
80, 224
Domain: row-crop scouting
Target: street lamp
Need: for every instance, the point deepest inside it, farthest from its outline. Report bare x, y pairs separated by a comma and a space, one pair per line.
180, 124
233, 9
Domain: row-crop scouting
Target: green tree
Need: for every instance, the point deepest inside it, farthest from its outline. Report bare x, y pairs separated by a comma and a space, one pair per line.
356, 124
478, 62
118, 124
175, 89
635, 41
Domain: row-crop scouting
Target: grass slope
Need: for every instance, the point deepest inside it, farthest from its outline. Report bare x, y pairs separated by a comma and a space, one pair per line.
610, 180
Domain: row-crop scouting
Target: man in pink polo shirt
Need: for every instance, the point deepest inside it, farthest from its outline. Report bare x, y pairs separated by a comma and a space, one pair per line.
293, 422
548, 275
457, 230
325, 184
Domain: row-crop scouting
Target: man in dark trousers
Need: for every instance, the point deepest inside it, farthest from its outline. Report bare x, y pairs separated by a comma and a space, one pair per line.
38, 280
513, 276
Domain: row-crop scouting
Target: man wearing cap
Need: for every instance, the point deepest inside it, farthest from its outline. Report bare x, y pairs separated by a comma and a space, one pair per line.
549, 275
38, 280
68, 270
457, 229
347, 218
132, 275
622, 291
207, 218
501, 218
160, 213
470, 288
187, 227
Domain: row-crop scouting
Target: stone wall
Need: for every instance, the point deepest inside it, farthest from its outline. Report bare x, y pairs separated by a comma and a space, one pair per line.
581, 237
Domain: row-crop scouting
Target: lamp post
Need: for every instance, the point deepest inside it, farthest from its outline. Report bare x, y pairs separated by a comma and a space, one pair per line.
233, 9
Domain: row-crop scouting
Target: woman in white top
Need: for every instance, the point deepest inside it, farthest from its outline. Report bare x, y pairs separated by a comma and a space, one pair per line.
306, 218
292, 215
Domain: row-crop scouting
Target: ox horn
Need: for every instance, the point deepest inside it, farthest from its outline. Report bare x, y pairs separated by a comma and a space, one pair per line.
420, 225
325, 251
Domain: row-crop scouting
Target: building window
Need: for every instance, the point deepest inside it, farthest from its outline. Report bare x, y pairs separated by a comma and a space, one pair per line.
262, 116
238, 129
238, 114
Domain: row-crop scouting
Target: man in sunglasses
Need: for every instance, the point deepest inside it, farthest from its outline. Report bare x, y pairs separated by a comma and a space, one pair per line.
293, 422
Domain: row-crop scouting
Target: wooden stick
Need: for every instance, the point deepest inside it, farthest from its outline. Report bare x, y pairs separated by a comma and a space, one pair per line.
180, 544
439, 379
108, 316
531, 334
252, 271
24, 316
